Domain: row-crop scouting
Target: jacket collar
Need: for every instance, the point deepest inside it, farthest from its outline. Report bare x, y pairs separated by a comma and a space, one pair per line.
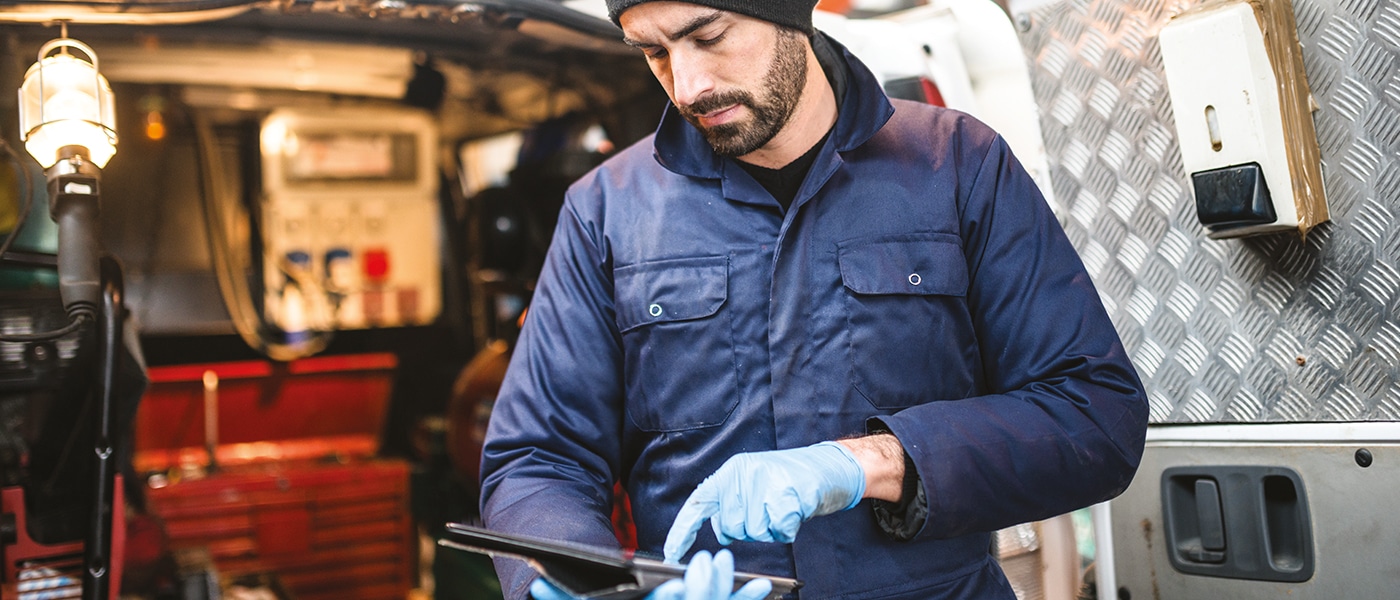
680, 148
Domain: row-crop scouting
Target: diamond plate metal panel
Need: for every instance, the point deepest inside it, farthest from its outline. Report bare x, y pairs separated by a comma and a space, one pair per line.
1266, 329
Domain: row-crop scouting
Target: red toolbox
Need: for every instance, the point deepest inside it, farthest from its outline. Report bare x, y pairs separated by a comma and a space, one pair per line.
295, 490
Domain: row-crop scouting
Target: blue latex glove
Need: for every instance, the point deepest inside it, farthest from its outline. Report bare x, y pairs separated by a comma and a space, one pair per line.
705, 579
766, 496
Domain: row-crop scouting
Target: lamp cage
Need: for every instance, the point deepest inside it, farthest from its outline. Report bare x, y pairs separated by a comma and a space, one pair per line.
63, 102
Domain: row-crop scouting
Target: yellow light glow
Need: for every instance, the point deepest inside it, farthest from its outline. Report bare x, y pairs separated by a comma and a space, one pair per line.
274, 138
155, 126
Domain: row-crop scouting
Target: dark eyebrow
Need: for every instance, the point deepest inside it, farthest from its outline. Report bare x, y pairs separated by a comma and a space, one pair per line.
685, 30
695, 24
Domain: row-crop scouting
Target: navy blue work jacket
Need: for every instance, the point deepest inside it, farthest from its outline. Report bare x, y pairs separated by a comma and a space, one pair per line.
918, 280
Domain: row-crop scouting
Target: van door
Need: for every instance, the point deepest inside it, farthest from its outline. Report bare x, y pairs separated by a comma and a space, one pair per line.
1273, 362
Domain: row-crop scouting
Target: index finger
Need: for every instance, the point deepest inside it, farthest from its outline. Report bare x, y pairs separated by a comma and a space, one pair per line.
702, 504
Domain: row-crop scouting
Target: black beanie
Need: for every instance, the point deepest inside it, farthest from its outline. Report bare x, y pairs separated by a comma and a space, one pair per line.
796, 14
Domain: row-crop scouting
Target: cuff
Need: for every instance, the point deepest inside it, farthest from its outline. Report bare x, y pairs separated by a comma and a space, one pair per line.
904, 519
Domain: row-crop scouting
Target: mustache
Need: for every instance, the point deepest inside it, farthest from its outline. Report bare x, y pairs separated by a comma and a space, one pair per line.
715, 102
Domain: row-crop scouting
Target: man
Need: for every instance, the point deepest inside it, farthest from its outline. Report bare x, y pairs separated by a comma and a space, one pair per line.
794, 259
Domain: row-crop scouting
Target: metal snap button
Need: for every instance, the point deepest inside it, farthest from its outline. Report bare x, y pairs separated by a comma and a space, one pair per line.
914, 279
655, 310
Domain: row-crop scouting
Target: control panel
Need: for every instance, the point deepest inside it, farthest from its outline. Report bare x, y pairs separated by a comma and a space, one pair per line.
350, 220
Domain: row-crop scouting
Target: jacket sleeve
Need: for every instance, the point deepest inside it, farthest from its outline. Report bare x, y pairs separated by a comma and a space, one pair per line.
552, 448
1063, 420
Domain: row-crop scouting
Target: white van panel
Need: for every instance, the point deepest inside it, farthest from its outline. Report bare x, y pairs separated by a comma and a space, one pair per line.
1350, 507
1262, 353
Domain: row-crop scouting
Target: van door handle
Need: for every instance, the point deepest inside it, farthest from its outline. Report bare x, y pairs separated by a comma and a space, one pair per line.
1210, 522
1239, 522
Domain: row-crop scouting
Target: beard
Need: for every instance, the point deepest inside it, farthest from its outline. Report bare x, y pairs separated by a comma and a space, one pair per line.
772, 109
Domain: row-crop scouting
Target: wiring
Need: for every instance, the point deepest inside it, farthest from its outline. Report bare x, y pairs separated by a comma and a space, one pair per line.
78, 319
229, 270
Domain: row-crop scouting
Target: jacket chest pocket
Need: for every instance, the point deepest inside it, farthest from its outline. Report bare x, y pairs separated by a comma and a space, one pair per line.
678, 343
911, 340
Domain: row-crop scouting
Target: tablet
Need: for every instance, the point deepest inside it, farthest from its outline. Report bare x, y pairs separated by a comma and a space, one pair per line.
587, 571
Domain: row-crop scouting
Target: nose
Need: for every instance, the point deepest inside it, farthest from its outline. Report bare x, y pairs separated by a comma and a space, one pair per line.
691, 78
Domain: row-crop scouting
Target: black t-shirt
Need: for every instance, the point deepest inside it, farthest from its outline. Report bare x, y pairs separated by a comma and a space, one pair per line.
784, 182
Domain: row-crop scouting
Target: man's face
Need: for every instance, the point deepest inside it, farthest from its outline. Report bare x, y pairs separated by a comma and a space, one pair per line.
735, 78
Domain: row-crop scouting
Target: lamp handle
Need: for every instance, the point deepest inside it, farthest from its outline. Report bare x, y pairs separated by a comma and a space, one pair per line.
66, 42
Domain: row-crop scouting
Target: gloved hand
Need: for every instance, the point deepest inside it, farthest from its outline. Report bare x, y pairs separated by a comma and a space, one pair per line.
766, 496
705, 579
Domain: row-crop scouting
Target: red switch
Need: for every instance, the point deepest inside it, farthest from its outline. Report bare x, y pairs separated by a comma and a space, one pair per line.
376, 261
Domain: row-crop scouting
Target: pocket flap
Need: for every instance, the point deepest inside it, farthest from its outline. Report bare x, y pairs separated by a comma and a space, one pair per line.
916, 263
670, 290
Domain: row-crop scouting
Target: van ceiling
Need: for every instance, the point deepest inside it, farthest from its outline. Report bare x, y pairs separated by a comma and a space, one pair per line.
502, 70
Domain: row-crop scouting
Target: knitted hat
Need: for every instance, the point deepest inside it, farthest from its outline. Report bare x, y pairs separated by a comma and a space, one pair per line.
796, 14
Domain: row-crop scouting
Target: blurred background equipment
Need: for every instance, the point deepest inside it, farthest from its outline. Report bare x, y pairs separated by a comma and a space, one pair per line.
351, 227
292, 187
295, 493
